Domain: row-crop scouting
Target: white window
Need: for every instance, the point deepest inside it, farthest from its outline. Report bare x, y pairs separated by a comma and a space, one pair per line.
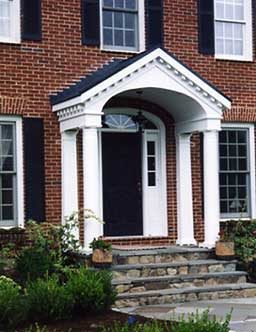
11, 173
236, 153
122, 25
10, 21
233, 29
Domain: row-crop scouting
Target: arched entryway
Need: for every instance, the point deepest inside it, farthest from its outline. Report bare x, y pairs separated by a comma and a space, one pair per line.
133, 173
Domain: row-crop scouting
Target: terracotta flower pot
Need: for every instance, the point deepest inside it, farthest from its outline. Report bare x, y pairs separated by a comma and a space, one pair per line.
102, 257
225, 250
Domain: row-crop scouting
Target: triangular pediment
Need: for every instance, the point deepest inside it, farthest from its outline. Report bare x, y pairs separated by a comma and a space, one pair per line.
117, 72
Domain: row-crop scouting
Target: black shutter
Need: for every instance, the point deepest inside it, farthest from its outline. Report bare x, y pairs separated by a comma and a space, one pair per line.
154, 27
34, 169
31, 20
90, 22
206, 26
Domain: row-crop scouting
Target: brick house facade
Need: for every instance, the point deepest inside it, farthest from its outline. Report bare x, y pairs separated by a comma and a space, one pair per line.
63, 72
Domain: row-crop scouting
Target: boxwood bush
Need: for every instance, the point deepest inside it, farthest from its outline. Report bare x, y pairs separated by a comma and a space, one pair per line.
47, 299
11, 306
90, 289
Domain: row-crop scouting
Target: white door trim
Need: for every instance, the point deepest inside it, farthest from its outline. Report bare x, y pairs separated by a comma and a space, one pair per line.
162, 229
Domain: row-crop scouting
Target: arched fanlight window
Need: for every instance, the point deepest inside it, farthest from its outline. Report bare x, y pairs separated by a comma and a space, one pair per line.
126, 122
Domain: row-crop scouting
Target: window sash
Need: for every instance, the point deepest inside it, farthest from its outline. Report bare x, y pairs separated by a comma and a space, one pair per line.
4, 204
123, 31
5, 18
237, 191
233, 47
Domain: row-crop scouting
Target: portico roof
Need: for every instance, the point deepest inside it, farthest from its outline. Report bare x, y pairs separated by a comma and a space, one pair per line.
117, 70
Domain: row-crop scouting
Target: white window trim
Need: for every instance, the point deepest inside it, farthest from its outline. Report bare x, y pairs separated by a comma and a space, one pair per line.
141, 32
248, 36
251, 150
19, 166
15, 37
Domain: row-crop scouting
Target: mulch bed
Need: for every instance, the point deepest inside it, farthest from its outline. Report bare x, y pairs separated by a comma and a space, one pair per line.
89, 323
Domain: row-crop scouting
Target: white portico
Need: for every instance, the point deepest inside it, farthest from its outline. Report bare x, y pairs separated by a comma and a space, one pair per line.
194, 105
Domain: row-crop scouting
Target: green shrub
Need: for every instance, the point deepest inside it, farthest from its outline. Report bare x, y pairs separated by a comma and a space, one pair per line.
33, 263
48, 300
10, 301
202, 323
90, 289
42, 256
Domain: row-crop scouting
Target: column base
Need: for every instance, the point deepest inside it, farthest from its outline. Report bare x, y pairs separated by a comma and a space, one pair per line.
207, 245
186, 242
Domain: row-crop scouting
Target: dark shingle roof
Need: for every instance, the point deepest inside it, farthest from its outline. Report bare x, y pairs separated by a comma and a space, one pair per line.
109, 69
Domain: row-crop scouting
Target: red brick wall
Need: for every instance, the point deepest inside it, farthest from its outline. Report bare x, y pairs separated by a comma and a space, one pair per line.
30, 71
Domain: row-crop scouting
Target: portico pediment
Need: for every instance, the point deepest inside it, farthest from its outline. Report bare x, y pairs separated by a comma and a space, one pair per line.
152, 69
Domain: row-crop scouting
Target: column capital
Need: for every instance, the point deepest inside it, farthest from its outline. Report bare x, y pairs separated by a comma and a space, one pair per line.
71, 133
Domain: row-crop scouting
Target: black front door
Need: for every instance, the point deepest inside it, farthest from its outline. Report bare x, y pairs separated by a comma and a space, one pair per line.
122, 185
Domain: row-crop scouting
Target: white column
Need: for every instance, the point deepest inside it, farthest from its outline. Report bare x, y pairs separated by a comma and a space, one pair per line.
92, 228
211, 188
184, 191
69, 175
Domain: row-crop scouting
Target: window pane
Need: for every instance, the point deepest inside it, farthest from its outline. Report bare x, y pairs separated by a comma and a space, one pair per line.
130, 21
7, 164
151, 179
107, 19
7, 132
232, 150
7, 212
151, 163
224, 207
7, 181
108, 37
118, 20
7, 148
129, 39
223, 164
119, 3
7, 197
151, 148
242, 164
130, 4
108, 3
119, 38
219, 9
242, 136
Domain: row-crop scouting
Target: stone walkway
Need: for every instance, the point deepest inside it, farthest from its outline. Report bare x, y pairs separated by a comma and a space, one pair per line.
243, 315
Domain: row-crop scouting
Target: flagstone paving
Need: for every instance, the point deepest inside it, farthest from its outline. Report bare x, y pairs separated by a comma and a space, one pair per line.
243, 314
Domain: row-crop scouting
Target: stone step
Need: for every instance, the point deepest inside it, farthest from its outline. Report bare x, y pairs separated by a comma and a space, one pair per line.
177, 268
178, 281
160, 255
186, 294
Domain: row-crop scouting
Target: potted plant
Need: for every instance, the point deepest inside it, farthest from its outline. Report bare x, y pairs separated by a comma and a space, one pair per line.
225, 246
101, 253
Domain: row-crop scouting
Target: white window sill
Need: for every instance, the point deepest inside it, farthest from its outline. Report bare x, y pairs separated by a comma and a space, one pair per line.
9, 40
233, 57
234, 218
109, 49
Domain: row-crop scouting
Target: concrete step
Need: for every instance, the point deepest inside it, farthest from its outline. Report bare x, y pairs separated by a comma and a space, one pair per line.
132, 271
186, 294
160, 255
178, 281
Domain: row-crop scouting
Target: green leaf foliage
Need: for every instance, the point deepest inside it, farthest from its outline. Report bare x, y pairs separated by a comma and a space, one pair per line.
90, 289
193, 323
48, 300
